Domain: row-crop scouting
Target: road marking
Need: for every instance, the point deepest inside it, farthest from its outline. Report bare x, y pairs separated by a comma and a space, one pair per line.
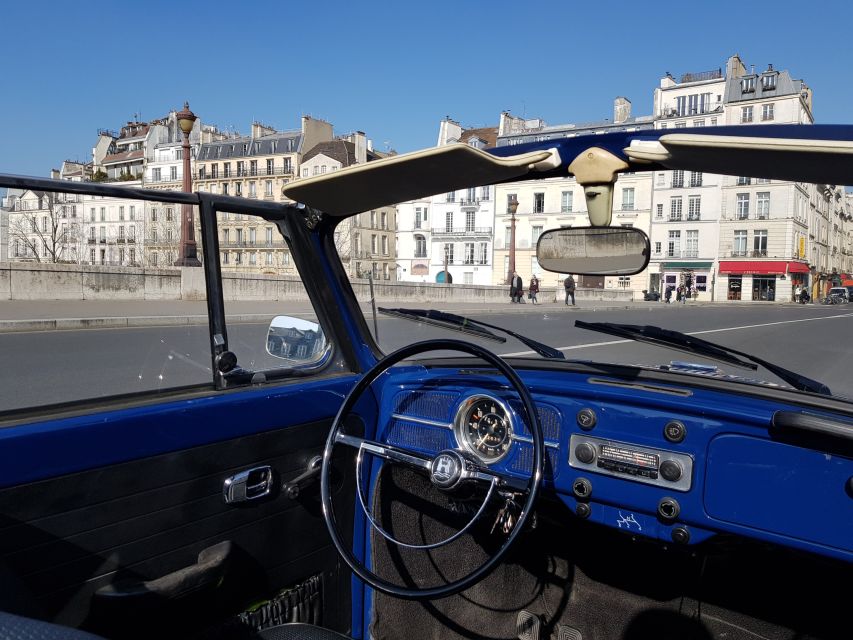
690, 333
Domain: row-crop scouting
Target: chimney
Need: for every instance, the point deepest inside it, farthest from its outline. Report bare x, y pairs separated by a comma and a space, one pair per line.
360, 141
621, 110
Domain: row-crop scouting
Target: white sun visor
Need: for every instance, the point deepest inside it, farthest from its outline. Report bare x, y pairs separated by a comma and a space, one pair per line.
816, 161
413, 175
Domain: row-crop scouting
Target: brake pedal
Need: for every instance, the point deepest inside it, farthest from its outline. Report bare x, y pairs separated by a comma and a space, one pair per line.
527, 626
565, 632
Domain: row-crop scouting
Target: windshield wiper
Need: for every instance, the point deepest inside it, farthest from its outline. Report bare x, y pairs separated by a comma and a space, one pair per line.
474, 327
690, 344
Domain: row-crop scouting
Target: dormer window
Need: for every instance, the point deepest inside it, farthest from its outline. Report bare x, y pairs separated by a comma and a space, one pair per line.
748, 84
768, 81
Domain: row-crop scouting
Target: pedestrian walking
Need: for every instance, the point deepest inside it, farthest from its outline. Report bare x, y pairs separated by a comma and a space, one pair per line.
798, 293
569, 284
668, 295
533, 289
516, 287
678, 292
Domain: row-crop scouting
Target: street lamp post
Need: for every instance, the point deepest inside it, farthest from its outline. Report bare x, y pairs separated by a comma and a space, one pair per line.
512, 205
188, 254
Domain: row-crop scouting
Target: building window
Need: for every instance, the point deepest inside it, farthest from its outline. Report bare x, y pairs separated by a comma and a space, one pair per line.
270, 166
566, 201
537, 231
154, 258
742, 206
451, 197
762, 205
121, 213
694, 204
746, 114
675, 209
132, 255
657, 248
173, 173
661, 179
695, 178
538, 203
628, 199
673, 245
253, 167
699, 123
373, 244
759, 243
419, 217
677, 179
268, 258
383, 217
384, 245
155, 174
253, 190
767, 111
744, 181
103, 213
469, 253
510, 198
448, 253
268, 188
748, 85
469, 221
92, 214
768, 81
420, 246
691, 249
226, 169
201, 172
169, 214
448, 222
484, 253
659, 211
485, 192
739, 247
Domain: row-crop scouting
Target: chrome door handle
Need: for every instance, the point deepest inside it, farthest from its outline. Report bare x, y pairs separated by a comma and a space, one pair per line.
249, 485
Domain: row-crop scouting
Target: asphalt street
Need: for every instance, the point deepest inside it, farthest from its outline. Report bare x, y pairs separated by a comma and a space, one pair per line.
47, 367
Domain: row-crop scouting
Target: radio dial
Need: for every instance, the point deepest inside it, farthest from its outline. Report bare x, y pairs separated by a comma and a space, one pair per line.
585, 452
670, 470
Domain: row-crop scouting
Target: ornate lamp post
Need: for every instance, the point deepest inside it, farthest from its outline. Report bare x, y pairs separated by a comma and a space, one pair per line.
188, 254
512, 205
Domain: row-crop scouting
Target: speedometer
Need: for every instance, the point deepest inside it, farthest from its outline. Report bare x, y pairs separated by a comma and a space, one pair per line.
484, 428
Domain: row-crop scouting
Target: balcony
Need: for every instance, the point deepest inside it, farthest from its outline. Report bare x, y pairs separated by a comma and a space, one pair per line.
251, 244
467, 203
681, 253
275, 171
461, 231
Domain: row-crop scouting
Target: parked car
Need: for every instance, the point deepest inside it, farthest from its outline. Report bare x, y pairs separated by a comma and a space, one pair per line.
841, 293
214, 479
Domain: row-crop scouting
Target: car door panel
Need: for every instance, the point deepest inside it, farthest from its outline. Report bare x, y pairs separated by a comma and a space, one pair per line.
135, 494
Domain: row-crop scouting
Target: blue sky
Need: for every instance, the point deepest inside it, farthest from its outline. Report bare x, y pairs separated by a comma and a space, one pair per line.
392, 70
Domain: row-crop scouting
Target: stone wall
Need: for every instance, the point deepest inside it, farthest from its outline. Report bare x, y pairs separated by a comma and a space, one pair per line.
42, 281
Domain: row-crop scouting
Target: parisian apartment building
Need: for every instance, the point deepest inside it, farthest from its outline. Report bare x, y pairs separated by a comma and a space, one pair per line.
728, 237
449, 237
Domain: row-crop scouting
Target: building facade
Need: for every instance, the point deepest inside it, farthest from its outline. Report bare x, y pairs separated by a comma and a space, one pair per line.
560, 202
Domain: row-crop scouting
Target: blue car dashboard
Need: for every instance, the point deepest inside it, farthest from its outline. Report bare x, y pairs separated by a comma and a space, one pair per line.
672, 462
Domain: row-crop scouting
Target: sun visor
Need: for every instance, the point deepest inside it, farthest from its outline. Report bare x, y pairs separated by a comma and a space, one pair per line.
378, 183
816, 161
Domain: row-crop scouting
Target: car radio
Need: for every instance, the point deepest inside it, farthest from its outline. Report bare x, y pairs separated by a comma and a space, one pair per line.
632, 462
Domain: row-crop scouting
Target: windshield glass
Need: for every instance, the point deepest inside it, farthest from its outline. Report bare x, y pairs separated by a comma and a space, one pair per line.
728, 278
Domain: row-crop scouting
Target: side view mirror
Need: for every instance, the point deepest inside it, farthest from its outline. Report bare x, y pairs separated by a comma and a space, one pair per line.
594, 251
299, 341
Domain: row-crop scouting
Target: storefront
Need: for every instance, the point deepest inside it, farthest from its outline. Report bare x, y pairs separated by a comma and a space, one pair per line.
687, 274
762, 280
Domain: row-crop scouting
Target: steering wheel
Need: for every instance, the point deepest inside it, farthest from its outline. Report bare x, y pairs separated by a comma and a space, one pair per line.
447, 470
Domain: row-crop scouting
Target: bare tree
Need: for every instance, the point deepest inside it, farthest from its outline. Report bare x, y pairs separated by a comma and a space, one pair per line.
44, 227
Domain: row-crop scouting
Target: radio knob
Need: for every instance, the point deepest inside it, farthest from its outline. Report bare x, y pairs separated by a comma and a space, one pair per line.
670, 470
585, 452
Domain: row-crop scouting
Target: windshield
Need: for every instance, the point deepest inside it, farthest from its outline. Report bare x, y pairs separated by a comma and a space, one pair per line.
729, 279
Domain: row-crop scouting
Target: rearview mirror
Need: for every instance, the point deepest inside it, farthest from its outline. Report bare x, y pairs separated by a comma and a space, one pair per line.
594, 251
299, 341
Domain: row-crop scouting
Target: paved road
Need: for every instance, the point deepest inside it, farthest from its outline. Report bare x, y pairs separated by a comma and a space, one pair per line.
45, 367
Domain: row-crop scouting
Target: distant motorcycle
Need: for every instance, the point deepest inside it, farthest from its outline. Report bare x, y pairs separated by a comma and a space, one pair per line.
651, 296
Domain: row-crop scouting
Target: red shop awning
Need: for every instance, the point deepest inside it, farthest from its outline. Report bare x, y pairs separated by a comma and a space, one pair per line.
797, 267
748, 266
